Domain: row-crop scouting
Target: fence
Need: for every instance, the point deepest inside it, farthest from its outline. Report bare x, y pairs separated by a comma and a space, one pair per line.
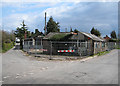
62, 49
71, 48
58, 49
30, 48
112, 45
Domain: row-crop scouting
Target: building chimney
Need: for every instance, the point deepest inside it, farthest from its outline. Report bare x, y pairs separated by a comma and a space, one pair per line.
45, 23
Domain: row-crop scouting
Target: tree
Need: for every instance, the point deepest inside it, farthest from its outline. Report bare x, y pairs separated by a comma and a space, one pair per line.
32, 33
20, 32
6, 40
75, 31
95, 32
36, 31
52, 26
12, 35
113, 34
5, 37
28, 34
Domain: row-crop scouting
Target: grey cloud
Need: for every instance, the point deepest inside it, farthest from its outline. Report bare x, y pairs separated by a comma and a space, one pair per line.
82, 16
86, 15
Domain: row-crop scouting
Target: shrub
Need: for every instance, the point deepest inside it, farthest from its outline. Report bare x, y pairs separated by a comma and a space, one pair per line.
7, 46
8, 41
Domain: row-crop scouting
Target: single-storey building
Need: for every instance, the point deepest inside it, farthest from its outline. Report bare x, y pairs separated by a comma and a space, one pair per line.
63, 43
83, 43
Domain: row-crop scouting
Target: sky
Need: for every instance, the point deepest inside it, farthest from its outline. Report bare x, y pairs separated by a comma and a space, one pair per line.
75, 14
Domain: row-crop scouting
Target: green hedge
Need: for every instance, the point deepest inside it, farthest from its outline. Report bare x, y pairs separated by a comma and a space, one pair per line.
7, 46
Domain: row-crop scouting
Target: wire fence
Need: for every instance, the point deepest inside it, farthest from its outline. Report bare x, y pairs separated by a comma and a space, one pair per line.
57, 49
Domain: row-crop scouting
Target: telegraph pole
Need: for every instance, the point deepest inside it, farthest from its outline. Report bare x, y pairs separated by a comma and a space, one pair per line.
45, 23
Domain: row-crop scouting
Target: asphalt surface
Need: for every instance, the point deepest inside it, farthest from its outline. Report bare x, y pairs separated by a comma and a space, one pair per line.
20, 69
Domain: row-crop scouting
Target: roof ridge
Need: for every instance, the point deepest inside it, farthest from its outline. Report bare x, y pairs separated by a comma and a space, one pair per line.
92, 36
60, 32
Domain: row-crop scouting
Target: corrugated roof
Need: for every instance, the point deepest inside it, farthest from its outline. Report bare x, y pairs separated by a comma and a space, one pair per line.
92, 36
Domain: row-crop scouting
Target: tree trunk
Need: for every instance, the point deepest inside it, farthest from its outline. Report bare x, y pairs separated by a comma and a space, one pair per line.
21, 44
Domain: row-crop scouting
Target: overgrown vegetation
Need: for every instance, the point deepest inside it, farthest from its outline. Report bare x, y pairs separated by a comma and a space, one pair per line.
7, 46
102, 53
7, 40
58, 36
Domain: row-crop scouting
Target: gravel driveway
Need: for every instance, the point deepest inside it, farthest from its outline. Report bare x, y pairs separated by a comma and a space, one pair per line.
20, 69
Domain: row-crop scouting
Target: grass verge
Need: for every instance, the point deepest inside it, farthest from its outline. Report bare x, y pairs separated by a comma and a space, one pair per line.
101, 53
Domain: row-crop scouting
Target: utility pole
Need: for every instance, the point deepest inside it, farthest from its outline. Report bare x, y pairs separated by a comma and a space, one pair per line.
45, 24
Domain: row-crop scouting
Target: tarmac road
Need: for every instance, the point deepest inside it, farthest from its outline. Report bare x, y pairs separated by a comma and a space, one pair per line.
19, 69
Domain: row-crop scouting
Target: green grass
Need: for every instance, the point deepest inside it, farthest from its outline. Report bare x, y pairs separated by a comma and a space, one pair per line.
7, 46
102, 53
118, 48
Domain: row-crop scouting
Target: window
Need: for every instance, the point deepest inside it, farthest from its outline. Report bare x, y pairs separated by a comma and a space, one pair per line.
96, 45
103, 44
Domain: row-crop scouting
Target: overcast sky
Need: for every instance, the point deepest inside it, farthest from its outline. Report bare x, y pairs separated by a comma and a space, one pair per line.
78, 15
